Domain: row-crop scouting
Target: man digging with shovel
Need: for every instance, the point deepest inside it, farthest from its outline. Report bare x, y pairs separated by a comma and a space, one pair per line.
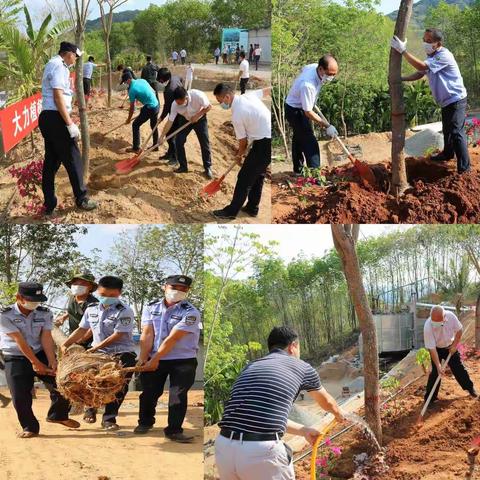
442, 334
141, 90
251, 120
191, 107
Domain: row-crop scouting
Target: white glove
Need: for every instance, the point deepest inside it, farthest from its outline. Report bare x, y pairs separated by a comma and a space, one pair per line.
398, 45
332, 131
73, 130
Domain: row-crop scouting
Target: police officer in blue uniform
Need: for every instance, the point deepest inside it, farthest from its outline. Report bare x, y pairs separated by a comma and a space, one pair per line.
111, 322
59, 131
29, 351
168, 348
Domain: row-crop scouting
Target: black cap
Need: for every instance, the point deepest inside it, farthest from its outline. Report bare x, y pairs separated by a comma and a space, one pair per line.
32, 291
70, 47
126, 76
179, 280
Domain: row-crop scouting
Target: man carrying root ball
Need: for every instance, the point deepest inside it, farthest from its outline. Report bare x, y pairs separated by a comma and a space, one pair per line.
255, 419
29, 352
111, 322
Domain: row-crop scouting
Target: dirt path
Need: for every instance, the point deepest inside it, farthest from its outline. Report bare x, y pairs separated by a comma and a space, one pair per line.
91, 454
151, 193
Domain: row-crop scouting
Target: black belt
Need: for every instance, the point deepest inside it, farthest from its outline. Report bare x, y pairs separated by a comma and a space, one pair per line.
250, 437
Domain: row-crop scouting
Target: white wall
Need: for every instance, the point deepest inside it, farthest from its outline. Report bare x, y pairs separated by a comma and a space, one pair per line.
263, 37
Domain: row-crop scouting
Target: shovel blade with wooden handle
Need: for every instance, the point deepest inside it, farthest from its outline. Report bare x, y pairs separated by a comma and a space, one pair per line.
362, 168
214, 186
126, 166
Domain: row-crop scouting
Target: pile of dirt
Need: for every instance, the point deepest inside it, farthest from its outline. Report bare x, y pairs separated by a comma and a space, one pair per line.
437, 194
435, 451
151, 193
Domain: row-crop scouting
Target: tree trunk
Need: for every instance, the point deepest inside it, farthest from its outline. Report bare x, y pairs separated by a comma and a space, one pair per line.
477, 324
399, 172
109, 72
82, 106
344, 238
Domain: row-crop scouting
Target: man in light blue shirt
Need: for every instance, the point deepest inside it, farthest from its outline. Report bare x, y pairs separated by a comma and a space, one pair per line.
168, 348
448, 90
88, 68
112, 323
299, 110
141, 90
59, 131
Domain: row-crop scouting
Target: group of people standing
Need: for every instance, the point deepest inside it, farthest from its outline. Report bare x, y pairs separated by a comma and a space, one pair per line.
229, 51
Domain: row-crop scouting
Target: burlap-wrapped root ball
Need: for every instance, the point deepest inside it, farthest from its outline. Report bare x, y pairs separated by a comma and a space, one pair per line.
91, 379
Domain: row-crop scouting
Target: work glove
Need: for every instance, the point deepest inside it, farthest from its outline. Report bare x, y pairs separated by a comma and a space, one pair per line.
398, 45
73, 130
331, 131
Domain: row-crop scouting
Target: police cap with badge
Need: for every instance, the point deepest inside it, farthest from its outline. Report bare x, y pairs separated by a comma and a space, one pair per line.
32, 291
179, 280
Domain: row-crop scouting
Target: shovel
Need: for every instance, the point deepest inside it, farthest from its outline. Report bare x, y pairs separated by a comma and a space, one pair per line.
124, 100
214, 186
126, 166
313, 460
113, 129
362, 168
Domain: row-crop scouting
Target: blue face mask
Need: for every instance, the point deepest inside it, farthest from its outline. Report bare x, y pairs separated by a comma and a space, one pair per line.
225, 106
107, 300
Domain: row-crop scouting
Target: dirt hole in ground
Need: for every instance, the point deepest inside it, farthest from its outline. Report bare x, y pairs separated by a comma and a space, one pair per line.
425, 170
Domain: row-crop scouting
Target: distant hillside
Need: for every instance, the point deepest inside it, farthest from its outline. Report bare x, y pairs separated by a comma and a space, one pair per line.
421, 7
126, 16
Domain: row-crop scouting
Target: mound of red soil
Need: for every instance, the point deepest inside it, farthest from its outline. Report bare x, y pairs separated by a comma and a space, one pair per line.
437, 195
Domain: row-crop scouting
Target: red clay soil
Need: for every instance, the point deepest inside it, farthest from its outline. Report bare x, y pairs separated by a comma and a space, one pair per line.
437, 195
435, 451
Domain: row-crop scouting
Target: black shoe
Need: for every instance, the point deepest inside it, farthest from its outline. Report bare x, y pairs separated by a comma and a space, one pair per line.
110, 426
132, 150
473, 393
180, 438
87, 204
142, 429
223, 214
208, 173
440, 157
181, 170
173, 162
250, 212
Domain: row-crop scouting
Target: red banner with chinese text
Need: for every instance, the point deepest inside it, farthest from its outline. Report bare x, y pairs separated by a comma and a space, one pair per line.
18, 120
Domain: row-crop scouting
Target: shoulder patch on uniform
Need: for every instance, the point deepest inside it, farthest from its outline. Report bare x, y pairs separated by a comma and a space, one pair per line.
186, 305
42, 309
6, 309
125, 321
153, 302
190, 319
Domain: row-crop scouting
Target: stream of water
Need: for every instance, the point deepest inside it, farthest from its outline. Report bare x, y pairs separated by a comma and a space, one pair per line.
351, 417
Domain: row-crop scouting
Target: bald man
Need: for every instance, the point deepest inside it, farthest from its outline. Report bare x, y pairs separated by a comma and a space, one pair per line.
299, 112
442, 333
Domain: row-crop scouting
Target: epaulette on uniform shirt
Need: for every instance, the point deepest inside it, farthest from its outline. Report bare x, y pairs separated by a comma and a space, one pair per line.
153, 302
186, 305
92, 304
42, 309
5, 310
120, 306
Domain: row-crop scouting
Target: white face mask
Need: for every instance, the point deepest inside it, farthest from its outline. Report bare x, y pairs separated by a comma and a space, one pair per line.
30, 305
429, 48
174, 296
326, 78
437, 324
78, 289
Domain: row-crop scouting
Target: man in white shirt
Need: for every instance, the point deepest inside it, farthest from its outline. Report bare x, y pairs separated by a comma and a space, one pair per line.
189, 76
243, 74
442, 334
88, 68
59, 131
174, 57
251, 120
183, 55
191, 106
257, 53
299, 110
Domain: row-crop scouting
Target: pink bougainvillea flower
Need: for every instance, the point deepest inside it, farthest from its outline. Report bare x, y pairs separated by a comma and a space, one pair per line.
328, 441
336, 451
322, 462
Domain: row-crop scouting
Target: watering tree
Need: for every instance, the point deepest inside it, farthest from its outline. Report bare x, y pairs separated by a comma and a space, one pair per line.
344, 239
106, 18
399, 171
79, 11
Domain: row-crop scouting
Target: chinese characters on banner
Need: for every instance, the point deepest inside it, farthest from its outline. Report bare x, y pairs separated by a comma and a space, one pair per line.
18, 120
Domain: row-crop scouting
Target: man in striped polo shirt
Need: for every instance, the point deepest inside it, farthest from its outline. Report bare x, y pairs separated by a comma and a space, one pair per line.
249, 446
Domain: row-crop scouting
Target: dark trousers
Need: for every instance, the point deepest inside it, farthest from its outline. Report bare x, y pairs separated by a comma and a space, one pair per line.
87, 86
456, 366
146, 114
111, 409
216, 60
304, 143
172, 149
257, 59
251, 177
60, 149
243, 85
182, 60
182, 376
20, 379
201, 130
454, 136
